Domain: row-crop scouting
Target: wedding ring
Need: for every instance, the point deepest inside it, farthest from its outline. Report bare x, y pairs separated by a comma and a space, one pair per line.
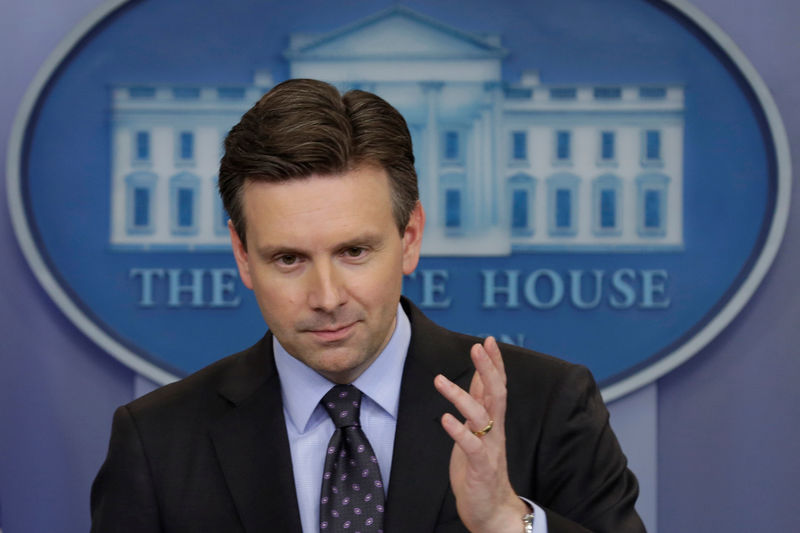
485, 430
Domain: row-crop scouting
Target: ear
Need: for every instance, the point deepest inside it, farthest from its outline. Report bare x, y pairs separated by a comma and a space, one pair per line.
412, 239
240, 254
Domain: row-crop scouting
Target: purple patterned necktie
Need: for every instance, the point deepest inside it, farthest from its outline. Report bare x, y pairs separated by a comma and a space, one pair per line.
352, 491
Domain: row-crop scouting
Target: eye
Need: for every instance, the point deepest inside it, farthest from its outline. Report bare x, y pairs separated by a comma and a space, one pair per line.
287, 260
354, 251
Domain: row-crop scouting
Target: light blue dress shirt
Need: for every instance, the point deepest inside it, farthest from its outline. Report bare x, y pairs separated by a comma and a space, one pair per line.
310, 428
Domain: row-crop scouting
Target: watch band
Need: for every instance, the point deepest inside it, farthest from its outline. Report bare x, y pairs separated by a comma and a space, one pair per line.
527, 522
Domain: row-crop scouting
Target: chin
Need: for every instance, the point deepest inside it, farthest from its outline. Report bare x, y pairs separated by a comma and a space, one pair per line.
341, 367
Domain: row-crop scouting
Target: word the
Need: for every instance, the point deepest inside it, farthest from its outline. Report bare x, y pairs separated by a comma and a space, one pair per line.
195, 287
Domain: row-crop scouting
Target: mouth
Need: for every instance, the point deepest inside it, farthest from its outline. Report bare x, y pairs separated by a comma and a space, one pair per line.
333, 333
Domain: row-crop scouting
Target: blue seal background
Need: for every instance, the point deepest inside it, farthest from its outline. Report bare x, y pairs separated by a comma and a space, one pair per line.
723, 424
728, 168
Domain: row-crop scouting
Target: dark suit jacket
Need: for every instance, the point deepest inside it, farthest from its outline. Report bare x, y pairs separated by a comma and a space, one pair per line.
210, 452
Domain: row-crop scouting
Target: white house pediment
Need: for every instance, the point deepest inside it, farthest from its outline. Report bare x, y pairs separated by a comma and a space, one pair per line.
395, 33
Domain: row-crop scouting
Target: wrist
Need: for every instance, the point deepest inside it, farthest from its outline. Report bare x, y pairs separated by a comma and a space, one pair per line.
511, 518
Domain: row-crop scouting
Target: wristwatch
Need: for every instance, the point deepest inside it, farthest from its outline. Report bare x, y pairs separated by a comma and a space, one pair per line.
527, 522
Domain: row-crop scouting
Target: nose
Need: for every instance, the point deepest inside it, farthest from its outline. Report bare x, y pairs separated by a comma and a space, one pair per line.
326, 290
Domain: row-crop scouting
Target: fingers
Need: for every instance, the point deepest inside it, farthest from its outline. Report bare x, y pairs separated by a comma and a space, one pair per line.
473, 411
461, 435
491, 378
476, 388
487, 395
493, 350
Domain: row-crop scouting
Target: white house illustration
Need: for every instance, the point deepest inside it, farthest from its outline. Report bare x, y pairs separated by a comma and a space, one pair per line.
503, 167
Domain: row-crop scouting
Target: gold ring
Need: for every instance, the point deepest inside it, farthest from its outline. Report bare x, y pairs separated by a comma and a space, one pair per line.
485, 430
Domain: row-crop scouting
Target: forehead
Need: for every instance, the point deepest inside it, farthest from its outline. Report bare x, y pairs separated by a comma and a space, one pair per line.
356, 200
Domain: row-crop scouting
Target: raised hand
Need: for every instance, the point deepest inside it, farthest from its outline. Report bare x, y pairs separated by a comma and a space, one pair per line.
485, 500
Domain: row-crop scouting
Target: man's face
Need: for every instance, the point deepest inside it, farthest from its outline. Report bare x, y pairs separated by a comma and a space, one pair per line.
326, 262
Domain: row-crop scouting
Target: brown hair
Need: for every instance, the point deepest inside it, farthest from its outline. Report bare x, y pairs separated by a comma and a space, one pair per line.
303, 127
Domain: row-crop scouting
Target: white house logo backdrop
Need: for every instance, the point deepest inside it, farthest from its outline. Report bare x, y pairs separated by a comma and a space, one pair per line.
603, 181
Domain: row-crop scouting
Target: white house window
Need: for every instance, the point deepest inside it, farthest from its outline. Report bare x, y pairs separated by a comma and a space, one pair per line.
562, 200
606, 205
651, 147
653, 213
652, 93
141, 146
185, 152
607, 93
452, 208
519, 146
140, 188
452, 146
563, 93
608, 208
231, 93
563, 208
185, 207
651, 202
521, 198
608, 147
563, 146
186, 93
184, 191
452, 188
142, 93
519, 209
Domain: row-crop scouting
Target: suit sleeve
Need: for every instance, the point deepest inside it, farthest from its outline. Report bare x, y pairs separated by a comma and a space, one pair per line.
123, 498
584, 482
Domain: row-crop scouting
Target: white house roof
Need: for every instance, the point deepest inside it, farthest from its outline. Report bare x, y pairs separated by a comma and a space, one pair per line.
394, 32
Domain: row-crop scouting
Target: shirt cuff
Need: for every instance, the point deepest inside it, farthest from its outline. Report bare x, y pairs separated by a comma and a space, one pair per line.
539, 517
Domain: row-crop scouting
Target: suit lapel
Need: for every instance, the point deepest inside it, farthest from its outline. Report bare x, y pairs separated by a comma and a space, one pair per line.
420, 465
252, 447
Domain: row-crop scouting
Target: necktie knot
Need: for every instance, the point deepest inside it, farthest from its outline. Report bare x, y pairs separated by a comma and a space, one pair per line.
343, 403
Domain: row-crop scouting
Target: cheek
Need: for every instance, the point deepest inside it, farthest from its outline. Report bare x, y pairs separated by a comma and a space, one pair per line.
381, 285
276, 300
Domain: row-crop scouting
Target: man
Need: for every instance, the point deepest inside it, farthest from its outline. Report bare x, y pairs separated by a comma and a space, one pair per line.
325, 221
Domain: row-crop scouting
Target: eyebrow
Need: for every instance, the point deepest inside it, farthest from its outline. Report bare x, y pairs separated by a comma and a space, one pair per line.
370, 240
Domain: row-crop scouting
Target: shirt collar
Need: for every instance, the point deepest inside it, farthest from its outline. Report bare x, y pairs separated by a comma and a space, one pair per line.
302, 387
